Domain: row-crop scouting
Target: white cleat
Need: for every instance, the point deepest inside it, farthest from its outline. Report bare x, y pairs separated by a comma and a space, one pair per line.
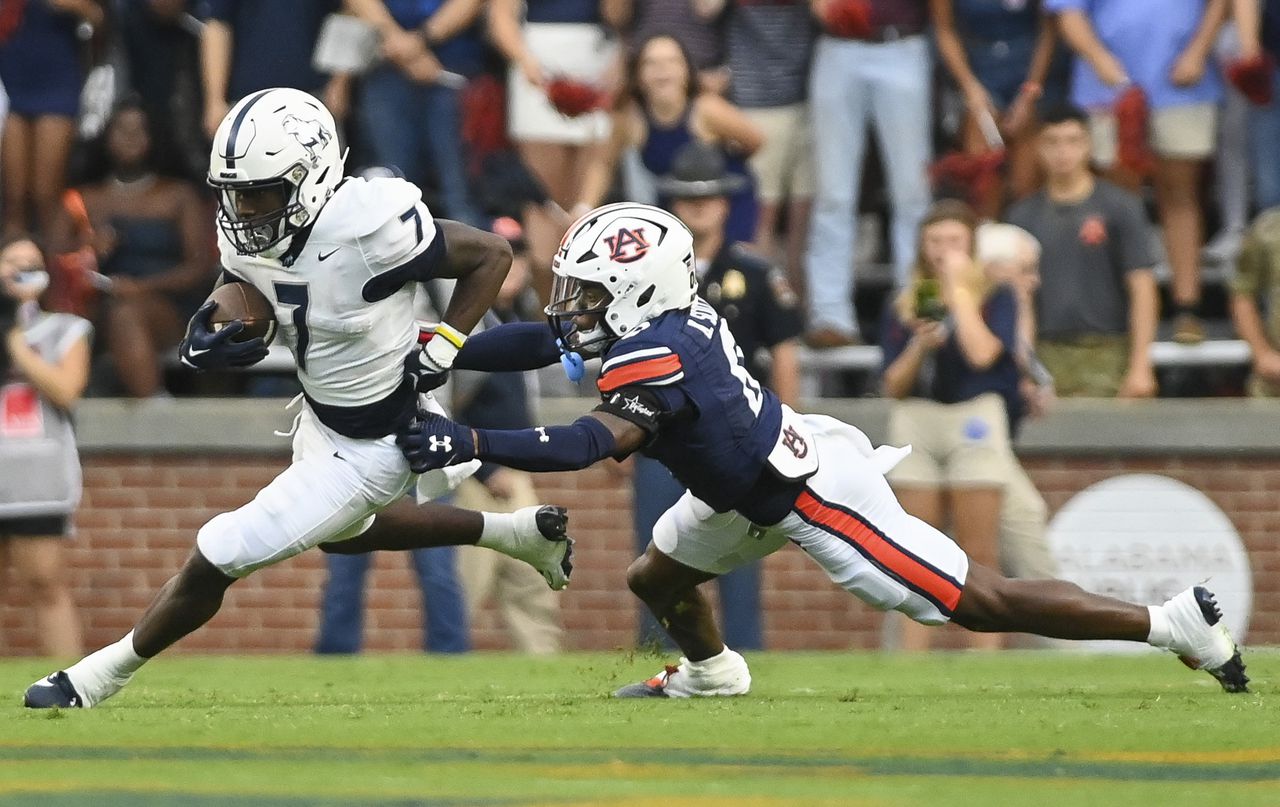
1201, 641
542, 541
729, 677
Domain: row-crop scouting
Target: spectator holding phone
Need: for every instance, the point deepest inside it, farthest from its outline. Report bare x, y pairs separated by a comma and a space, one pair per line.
950, 341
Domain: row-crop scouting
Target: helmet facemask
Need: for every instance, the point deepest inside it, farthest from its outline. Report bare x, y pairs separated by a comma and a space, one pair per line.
259, 233
570, 300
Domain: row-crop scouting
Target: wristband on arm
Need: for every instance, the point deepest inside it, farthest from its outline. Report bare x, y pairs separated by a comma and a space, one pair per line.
429, 367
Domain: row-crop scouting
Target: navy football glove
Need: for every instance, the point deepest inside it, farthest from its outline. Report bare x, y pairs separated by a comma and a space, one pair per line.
206, 349
433, 441
425, 372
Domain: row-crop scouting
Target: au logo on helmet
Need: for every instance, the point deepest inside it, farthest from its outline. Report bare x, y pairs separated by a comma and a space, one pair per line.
628, 245
310, 133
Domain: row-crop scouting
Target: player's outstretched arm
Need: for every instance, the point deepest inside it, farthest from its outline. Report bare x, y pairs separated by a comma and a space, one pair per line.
511, 347
434, 441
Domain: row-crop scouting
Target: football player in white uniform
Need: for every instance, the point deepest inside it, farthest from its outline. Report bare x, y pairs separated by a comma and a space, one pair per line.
338, 258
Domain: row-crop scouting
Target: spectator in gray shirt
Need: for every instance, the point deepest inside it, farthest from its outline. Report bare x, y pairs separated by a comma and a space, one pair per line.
769, 47
44, 367
1097, 305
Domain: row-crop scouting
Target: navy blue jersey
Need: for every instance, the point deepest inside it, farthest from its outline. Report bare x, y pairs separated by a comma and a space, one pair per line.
683, 378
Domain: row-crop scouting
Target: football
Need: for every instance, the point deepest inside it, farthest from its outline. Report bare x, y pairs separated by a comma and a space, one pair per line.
244, 302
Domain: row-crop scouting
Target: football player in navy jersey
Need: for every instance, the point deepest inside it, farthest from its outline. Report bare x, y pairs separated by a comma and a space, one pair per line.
673, 386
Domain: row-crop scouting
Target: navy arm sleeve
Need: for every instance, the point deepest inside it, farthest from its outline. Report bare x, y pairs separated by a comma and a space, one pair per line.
506, 348
584, 442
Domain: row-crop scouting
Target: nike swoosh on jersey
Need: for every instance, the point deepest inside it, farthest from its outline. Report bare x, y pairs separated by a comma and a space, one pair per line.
324, 256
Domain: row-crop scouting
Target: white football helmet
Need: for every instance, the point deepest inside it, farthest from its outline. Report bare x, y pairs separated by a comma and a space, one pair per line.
641, 255
278, 139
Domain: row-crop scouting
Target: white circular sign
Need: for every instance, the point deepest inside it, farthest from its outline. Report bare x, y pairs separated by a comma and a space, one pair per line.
1143, 538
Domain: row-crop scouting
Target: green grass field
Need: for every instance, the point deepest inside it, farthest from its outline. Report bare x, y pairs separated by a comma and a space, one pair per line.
849, 729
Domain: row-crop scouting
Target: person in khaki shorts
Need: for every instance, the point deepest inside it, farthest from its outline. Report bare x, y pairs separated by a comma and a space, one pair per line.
1255, 289
530, 610
950, 342
1098, 304
1166, 50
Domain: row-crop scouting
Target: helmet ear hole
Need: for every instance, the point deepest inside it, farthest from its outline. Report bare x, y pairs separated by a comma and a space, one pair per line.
644, 298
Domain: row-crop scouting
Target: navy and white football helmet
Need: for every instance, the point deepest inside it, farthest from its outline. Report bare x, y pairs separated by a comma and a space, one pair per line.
280, 145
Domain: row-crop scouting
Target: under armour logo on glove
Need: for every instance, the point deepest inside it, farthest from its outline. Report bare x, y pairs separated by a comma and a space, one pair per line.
433, 441
206, 349
441, 443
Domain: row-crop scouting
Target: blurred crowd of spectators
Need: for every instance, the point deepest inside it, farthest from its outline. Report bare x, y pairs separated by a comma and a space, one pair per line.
539, 110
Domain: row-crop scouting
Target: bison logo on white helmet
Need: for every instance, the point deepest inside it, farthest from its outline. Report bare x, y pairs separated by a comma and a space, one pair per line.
311, 134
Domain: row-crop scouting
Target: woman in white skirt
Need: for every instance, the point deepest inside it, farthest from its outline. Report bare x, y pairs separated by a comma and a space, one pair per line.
545, 40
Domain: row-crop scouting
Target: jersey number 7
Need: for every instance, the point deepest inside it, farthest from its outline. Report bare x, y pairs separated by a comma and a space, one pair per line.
295, 294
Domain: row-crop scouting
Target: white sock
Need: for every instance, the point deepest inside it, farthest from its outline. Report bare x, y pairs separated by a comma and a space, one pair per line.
99, 674
499, 530
717, 663
1161, 634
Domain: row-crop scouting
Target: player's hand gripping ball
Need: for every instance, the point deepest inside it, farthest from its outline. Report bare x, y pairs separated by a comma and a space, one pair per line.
231, 329
242, 302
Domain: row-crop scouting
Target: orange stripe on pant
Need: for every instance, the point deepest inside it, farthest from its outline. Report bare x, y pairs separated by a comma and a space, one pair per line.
637, 373
891, 557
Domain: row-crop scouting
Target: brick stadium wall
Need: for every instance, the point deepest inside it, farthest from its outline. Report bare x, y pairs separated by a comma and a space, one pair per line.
140, 515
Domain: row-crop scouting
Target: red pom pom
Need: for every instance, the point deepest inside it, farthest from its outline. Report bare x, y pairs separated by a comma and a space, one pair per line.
1253, 77
1132, 141
852, 19
573, 98
973, 176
